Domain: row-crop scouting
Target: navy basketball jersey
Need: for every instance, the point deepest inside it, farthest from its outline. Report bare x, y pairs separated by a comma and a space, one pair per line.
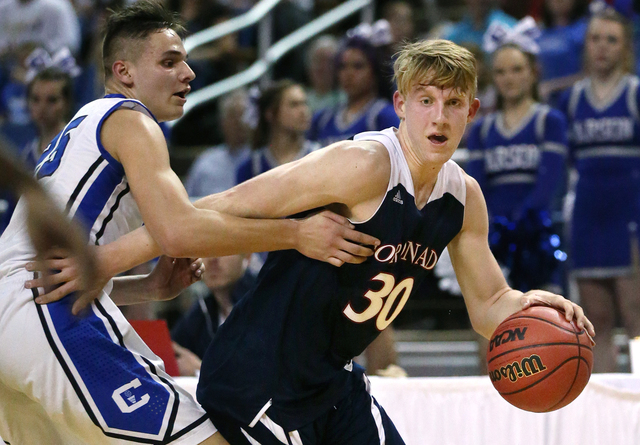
286, 348
329, 126
522, 167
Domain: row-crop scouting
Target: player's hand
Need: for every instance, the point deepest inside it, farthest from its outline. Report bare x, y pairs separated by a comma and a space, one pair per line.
570, 309
60, 274
329, 237
171, 276
188, 363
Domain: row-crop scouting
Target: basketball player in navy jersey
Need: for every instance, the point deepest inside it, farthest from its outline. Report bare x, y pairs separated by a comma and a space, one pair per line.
89, 379
280, 369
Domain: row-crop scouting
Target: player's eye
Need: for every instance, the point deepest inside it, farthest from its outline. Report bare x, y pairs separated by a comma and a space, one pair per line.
168, 63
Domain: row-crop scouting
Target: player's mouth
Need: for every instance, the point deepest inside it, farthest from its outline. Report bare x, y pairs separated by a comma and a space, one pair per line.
438, 139
183, 94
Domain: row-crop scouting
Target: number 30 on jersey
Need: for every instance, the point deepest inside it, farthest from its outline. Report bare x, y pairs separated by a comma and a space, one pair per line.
380, 307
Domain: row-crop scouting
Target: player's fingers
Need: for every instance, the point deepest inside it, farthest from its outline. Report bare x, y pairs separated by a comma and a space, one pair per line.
50, 264
355, 249
47, 280
337, 218
83, 302
58, 293
361, 238
335, 261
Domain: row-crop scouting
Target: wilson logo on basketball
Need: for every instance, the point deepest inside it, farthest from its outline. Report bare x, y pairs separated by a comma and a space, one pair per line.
527, 367
507, 336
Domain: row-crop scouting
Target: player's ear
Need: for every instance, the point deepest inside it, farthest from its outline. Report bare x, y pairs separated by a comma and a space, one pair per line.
120, 70
473, 109
399, 102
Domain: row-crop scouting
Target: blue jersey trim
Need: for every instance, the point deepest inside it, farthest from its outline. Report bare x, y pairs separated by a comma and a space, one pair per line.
103, 151
97, 196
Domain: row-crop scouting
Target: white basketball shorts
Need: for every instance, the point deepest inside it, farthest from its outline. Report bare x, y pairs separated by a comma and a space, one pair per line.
88, 379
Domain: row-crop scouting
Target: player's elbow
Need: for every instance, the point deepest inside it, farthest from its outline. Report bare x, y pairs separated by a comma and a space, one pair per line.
172, 239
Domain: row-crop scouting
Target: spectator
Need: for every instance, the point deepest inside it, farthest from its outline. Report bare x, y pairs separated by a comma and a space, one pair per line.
226, 280
517, 154
50, 102
321, 74
52, 24
561, 44
360, 76
401, 17
602, 112
215, 169
283, 118
480, 14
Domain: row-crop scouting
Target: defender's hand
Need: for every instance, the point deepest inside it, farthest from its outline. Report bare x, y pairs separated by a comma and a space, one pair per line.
329, 237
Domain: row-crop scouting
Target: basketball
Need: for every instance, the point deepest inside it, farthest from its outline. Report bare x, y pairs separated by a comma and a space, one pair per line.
538, 361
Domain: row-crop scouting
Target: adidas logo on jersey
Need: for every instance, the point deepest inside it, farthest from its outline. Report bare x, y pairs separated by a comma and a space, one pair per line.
398, 198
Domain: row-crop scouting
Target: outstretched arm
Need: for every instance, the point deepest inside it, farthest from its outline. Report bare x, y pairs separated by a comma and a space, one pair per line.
488, 298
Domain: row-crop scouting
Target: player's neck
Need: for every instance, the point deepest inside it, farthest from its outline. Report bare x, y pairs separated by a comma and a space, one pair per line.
424, 174
603, 83
286, 145
514, 111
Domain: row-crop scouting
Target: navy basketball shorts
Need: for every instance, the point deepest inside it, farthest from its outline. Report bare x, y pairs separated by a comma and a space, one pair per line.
71, 380
357, 419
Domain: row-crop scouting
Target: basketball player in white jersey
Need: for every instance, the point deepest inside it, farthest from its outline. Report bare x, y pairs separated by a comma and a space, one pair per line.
397, 184
89, 379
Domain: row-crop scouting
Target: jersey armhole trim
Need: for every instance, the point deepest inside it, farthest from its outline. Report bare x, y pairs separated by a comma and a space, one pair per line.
103, 151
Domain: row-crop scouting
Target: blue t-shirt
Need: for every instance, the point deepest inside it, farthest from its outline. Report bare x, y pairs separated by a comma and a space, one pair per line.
561, 50
328, 126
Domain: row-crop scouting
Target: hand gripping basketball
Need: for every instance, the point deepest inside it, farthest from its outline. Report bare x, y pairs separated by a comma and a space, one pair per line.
538, 361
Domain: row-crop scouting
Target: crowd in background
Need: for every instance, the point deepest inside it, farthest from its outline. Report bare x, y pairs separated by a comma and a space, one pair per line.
540, 81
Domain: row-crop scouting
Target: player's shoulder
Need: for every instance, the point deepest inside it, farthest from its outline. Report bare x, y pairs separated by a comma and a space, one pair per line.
368, 159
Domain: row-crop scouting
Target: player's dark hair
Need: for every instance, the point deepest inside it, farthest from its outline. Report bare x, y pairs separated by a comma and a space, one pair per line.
269, 102
136, 22
53, 74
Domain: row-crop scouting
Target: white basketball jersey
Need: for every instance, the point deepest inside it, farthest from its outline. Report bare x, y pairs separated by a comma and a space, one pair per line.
84, 179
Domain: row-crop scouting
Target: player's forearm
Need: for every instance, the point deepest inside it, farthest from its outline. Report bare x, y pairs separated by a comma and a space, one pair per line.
132, 290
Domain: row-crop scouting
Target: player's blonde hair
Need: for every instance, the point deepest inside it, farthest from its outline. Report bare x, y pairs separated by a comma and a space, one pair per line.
437, 62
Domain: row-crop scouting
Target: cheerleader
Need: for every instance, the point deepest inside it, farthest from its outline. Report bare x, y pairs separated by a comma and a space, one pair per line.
604, 124
517, 154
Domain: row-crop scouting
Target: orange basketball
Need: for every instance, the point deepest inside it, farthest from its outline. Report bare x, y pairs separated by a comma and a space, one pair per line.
538, 361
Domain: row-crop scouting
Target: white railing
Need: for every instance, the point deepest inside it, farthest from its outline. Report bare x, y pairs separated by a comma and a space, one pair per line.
262, 66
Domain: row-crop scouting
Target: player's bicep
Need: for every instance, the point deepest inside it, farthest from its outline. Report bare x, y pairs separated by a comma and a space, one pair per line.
477, 271
138, 143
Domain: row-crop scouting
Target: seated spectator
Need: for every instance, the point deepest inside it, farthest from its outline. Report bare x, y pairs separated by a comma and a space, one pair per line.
226, 279
561, 43
360, 76
50, 102
282, 118
215, 169
323, 92
401, 17
51, 24
480, 14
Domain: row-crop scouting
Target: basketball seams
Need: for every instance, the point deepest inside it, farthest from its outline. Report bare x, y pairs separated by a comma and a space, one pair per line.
537, 345
531, 317
575, 377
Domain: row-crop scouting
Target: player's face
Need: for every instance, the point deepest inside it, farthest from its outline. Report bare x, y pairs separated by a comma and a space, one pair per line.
294, 113
605, 45
355, 74
161, 75
513, 74
47, 104
223, 271
433, 120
